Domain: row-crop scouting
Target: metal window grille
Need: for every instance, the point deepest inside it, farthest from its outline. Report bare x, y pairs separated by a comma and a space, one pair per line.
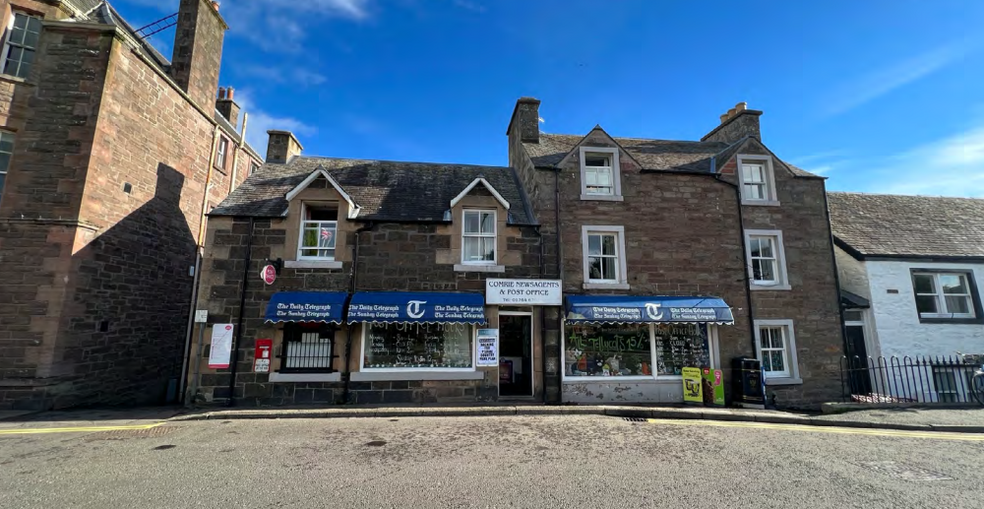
307, 348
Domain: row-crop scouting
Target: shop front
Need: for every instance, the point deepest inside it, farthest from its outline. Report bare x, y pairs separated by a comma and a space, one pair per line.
633, 349
418, 348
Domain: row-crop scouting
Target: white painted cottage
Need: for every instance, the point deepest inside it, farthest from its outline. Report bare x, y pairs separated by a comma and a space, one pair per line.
911, 272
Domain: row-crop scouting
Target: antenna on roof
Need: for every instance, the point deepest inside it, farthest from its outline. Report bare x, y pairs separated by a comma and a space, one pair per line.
157, 26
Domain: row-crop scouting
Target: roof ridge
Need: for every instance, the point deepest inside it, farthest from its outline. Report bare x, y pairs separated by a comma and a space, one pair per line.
393, 161
862, 193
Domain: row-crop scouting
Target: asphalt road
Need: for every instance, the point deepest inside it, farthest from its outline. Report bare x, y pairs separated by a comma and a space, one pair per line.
555, 462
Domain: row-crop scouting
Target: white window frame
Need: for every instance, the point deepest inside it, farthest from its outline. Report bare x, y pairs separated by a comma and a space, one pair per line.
300, 238
253, 167
941, 296
771, 197
791, 376
494, 236
7, 44
612, 152
222, 153
782, 275
620, 261
713, 350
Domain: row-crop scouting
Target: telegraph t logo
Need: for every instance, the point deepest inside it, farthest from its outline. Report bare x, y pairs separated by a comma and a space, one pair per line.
654, 312
414, 309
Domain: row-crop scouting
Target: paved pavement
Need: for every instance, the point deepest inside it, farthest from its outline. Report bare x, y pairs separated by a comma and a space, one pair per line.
504, 461
973, 416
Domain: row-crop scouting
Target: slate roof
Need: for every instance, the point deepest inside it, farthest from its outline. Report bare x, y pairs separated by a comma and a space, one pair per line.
385, 190
661, 155
896, 225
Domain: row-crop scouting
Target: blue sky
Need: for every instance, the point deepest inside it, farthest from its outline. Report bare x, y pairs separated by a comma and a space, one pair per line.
879, 96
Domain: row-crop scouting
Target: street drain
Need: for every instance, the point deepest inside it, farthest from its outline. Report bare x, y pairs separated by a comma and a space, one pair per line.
904, 472
376, 443
164, 447
634, 419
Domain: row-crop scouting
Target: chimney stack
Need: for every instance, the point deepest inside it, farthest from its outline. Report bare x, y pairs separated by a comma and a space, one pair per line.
227, 106
282, 146
526, 120
736, 124
197, 53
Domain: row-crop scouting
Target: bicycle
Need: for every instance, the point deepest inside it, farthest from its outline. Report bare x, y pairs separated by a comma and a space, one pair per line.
977, 385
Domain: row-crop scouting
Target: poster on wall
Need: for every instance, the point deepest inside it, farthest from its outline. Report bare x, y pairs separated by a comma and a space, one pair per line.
221, 350
692, 382
488, 347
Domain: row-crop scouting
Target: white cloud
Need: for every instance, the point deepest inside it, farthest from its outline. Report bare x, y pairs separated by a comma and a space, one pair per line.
821, 163
886, 79
298, 75
261, 121
470, 5
274, 25
282, 25
951, 166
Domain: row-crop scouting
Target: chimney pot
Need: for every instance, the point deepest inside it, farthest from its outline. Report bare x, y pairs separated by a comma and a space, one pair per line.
215, 5
231, 91
724, 117
732, 112
222, 92
742, 106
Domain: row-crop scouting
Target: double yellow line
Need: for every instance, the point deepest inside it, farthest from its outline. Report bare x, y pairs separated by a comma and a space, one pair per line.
79, 429
939, 435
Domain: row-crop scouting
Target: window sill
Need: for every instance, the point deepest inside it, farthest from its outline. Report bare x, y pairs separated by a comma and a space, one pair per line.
305, 377
464, 267
763, 203
756, 287
784, 381
312, 264
220, 170
601, 197
953, 321
606, 286
382, 376
12, 79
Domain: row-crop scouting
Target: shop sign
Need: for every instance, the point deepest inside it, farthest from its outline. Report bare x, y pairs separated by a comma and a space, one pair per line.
713, 387
529, 292
221, 350
261, 357
268, 274
692, 382
488, 347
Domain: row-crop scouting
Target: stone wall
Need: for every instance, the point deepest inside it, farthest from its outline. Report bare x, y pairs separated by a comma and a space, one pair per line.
100, 219
391, 257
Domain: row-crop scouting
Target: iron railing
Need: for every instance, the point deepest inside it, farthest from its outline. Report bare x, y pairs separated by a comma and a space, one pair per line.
941, 379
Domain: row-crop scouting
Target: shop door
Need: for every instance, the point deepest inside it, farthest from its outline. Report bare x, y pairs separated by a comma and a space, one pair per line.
515, 354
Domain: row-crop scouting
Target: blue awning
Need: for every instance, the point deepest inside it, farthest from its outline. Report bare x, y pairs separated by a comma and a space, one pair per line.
623, 309
419, 307
306, 307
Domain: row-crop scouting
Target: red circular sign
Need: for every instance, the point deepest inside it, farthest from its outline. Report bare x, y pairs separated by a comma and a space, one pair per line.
268, 274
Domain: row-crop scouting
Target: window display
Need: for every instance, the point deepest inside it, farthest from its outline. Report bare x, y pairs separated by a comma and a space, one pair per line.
420, 346
608, 350
627, 349
680, 346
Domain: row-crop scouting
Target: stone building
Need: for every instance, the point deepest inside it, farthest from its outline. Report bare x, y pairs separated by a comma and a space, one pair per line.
657, 239
380, 297
110, 157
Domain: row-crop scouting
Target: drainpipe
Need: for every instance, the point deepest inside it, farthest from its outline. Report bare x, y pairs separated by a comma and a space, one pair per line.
543, 323
199, 249
744, 250
353, 276
242, 306
559, 262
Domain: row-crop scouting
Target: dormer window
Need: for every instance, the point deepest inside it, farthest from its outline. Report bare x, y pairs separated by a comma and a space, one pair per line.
319, 228
758, 184
478, 237
600, 179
